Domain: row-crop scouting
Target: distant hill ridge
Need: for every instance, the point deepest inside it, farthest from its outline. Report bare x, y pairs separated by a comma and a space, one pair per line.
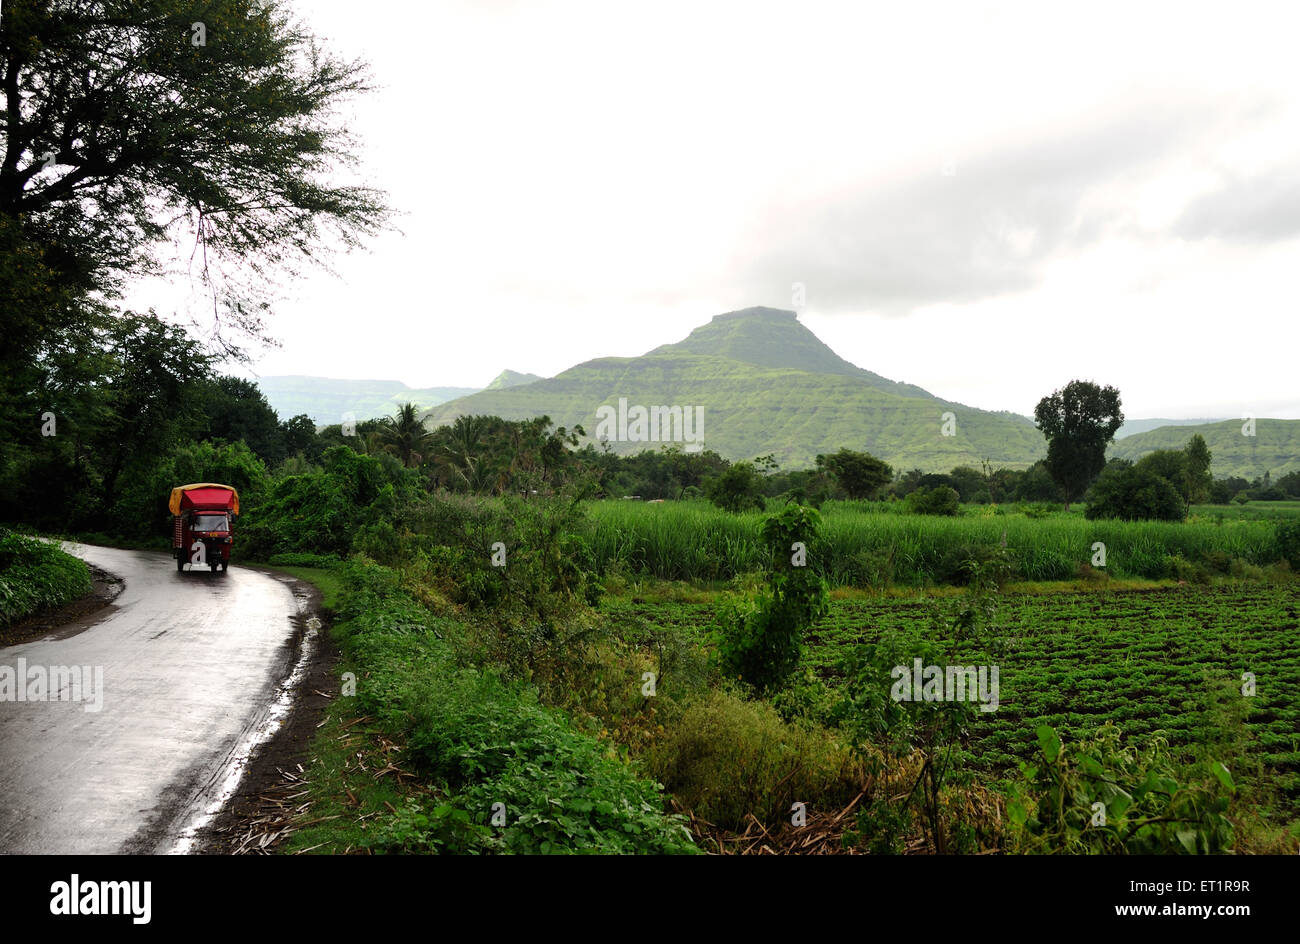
1274, 447
769, 385
327, 399
511, 378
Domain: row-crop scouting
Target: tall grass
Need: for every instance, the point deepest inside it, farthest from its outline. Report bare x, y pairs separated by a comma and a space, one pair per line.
696, 541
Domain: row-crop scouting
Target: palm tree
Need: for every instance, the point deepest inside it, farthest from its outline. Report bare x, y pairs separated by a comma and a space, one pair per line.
460, 449
404, 435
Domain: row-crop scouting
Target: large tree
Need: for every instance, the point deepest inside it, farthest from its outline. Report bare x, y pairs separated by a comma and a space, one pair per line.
130, 124
1079, 421
1199, 480
860, 474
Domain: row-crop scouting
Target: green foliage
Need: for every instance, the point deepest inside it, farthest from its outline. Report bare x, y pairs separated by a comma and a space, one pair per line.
1135, 493
1198, 480
529, 561
1170, 465
235, 409
1111, 798
1078, 421
403, 435
298, 559
860, 475
1287, 539
727, 758
760, 637
323, 512
35, 575
483, 741
940, 500
738, 488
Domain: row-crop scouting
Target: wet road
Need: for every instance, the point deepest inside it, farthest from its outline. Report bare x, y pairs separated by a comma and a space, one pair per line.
190, 664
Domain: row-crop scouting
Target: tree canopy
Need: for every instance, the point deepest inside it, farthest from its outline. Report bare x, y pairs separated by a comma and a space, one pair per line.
1078, 421
131, 123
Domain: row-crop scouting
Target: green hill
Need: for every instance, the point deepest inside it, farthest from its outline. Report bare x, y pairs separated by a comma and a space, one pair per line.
326, 399
1274, 448
768, 385
1132, 427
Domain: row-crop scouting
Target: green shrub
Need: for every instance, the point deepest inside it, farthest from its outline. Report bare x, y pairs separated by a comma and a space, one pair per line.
1220, 562
322, 512
872, 568
484, 741
1286, 536
1182, 569
940, 500
544, 543
1133, 493
380, 541
960, 565
738, 488
297, 559
760, 637
727, 758
35, 575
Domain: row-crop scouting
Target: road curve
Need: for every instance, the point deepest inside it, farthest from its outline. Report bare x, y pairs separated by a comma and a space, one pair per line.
190, 664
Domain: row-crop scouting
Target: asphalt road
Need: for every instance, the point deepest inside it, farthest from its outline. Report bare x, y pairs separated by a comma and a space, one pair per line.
190, 662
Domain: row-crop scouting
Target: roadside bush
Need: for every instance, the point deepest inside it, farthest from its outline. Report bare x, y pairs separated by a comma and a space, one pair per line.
380, 541
483, 740
297, 559
35, 575
322, 512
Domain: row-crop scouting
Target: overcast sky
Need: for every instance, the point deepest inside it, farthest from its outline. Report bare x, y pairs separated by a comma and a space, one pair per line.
987, 200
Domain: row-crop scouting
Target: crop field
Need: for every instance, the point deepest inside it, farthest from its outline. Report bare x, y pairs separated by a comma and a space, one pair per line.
1164, 660
869, 544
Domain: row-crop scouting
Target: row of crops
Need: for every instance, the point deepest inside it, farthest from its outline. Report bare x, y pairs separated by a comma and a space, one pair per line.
1177, 662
